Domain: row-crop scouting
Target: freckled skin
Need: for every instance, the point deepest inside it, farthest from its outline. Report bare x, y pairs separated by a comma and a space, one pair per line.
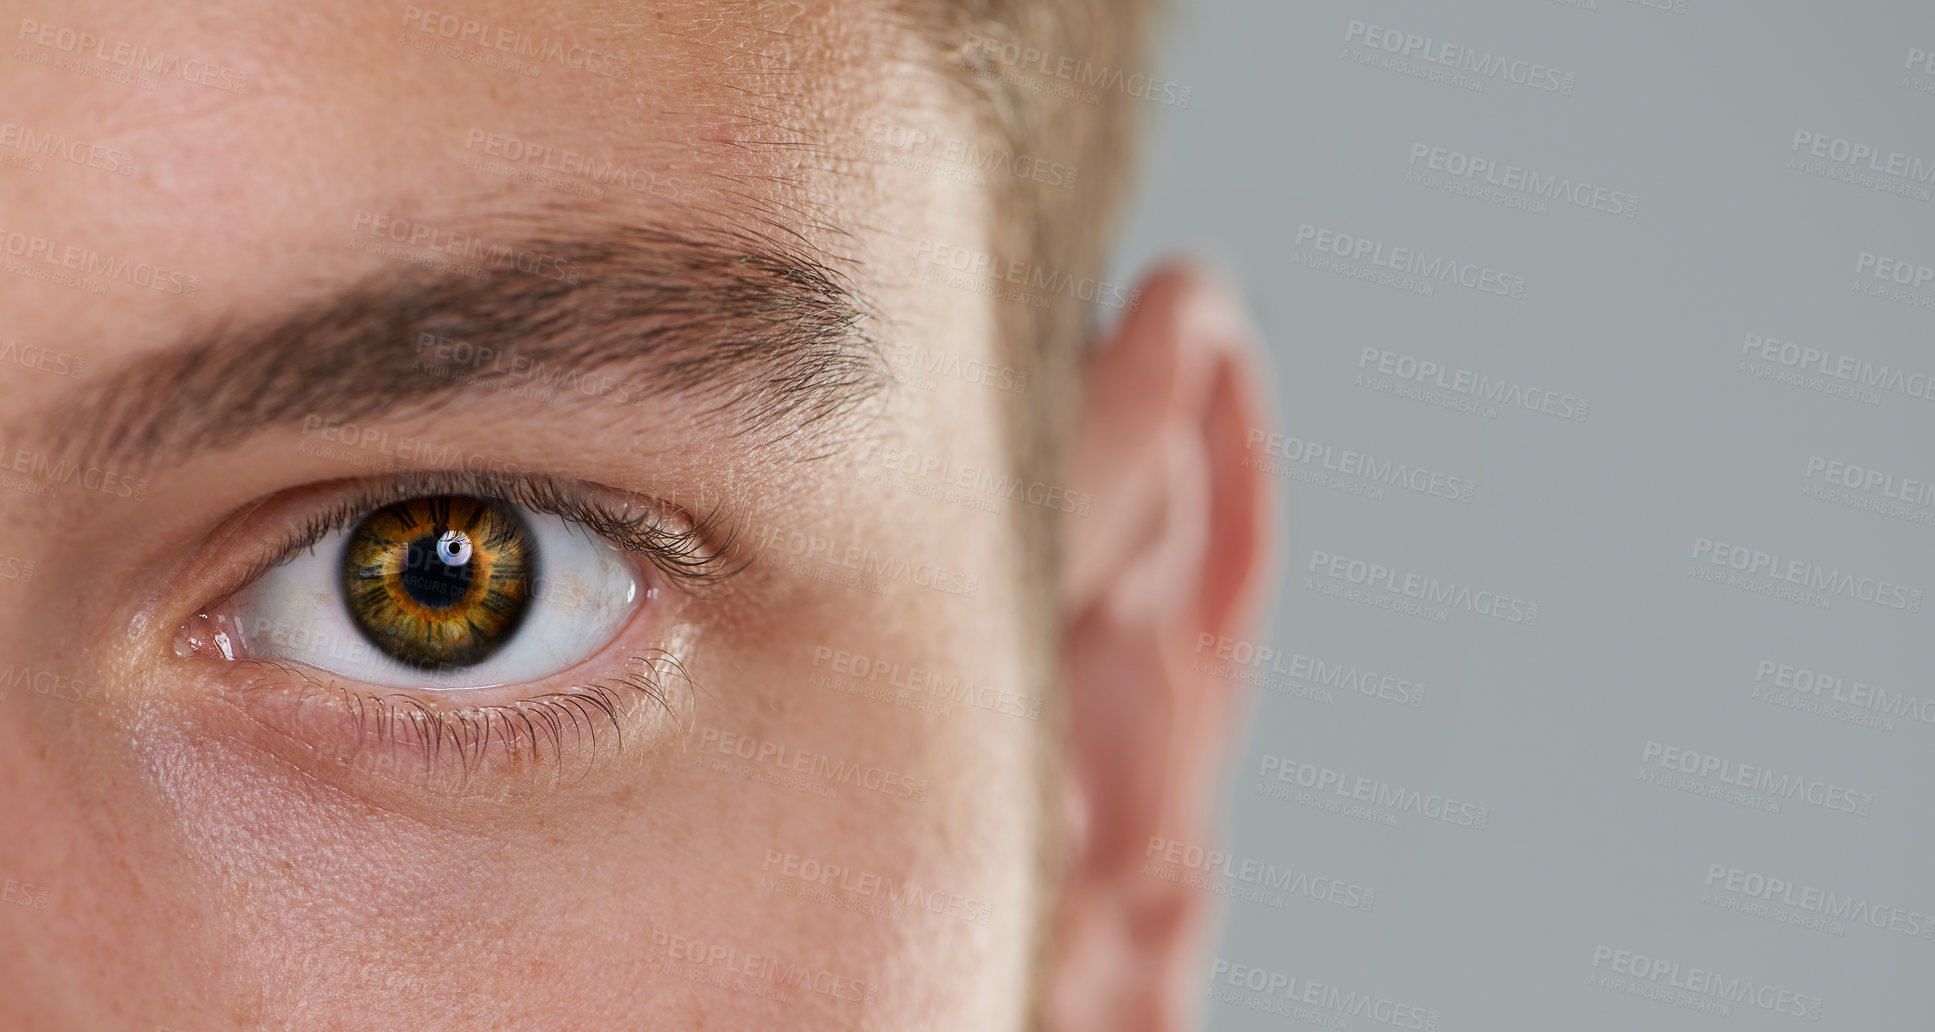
206, 869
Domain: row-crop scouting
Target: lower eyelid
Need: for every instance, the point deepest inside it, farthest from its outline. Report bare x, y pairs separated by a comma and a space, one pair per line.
441, 749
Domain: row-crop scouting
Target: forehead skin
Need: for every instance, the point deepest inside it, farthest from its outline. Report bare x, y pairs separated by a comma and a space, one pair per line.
733, 108
201, 878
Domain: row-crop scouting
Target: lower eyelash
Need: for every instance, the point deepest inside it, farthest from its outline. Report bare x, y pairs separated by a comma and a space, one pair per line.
404, 735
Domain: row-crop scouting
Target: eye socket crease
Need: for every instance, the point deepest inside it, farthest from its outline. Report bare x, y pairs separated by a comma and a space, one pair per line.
768, 335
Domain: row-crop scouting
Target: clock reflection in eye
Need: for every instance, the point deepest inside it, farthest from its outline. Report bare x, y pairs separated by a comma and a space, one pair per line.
440, 581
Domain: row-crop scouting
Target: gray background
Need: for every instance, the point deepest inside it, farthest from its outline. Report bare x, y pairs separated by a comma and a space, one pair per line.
1695, 113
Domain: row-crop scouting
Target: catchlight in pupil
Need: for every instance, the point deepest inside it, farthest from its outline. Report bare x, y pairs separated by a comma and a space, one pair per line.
439, 581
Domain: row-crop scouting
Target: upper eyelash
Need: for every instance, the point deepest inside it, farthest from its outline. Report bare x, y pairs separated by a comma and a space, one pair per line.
692, 555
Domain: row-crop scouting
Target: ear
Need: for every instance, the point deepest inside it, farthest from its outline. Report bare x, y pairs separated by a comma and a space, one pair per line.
1173, 548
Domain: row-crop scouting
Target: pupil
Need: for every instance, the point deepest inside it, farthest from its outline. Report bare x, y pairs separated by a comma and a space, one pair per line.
436, 570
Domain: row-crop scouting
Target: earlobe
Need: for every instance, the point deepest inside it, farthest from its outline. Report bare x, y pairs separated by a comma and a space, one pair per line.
1173, 549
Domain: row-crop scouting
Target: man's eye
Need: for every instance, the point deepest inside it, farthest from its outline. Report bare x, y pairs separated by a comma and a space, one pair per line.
438, 591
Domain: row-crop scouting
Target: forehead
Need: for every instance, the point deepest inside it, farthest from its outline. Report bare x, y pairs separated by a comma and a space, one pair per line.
244, 149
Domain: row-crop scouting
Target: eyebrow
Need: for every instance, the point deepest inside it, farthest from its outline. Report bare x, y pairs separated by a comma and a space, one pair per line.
770, 335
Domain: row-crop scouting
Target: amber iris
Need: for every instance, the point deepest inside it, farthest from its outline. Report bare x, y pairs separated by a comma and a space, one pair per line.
439, 581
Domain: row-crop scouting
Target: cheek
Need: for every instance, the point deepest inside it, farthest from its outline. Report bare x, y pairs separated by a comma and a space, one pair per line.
125, 897
304, 894
873, 804
705, 889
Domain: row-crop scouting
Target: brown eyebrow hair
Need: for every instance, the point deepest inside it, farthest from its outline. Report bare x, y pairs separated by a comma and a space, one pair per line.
768, 335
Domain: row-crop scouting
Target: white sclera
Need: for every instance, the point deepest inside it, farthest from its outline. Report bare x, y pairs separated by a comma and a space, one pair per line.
586, 589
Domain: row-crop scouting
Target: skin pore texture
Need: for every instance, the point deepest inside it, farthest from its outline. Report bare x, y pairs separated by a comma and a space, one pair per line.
254, 843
